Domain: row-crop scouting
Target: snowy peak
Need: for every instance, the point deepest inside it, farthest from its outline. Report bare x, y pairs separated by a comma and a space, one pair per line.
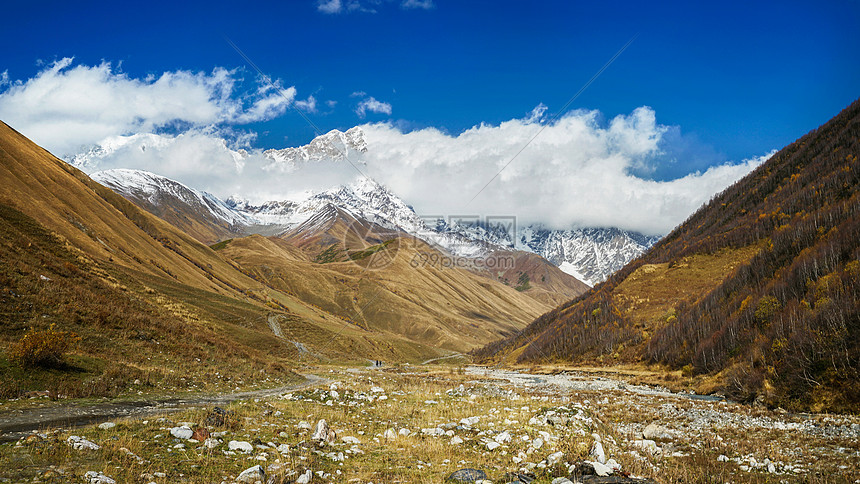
334, 145
149, 188
589, 254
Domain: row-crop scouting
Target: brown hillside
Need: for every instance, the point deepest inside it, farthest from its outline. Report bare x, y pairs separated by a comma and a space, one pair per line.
441, 306
758, 289
150, 303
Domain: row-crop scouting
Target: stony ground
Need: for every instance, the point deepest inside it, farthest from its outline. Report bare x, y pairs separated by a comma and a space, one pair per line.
415, 425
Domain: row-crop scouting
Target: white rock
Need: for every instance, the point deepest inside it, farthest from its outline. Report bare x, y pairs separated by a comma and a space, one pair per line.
107, 425
94, 477
305, 478
240, 445
597, 452
376, 389
389, 434
183, 432
561, 480
601, 470
283, 449
612, 464
323, 433
304, 425
493, 445
537, 443
469, 421
210, 443
455, 440
554, 458
722, 458
350, 440
252, 475
771, 468
657, 433
404, 432
80, 443
503, 437
648, 446
334, 394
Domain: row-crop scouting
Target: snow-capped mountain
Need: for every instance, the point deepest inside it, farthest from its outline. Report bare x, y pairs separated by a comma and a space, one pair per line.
589, 254
155, 189
334, 145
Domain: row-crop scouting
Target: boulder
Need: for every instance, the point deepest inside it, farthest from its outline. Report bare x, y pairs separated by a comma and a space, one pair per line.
252, 475
183, 432
657, 433
597, 452
240, 445
80, 443
93, 477
467, 475
323, 433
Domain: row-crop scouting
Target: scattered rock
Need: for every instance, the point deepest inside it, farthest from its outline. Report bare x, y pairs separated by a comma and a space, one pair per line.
218, 417
389, 434
252, 475
455, 440
657, 433
183, 432
323, 433
240, 445
80, 443
107, 425
93, 477
597, 452
561, 480
493, 445
518, 478
305, 478
200, 434
467, 475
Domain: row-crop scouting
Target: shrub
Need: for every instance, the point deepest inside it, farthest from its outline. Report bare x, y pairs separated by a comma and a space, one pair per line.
43, 348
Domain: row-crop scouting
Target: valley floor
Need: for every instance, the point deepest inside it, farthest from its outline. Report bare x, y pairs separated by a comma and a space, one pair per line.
421, 424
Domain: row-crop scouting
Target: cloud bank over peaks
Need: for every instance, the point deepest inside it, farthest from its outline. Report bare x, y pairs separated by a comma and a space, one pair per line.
577, 172
68, 108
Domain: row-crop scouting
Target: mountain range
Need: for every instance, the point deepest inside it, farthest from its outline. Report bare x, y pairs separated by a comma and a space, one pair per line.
150, 302
589, 254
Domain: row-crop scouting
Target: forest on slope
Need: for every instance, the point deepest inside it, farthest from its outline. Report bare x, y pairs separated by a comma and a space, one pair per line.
782, 325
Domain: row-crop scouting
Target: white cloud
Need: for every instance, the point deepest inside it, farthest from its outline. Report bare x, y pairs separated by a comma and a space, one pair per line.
67, 108
422, 4
309, 104
330, 6
373, 105
577, 172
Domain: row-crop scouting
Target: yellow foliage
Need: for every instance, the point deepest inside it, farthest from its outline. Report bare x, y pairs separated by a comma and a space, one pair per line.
42, 348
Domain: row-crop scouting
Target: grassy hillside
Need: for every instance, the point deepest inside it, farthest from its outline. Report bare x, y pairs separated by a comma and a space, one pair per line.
150, 303
758, 289
445, 307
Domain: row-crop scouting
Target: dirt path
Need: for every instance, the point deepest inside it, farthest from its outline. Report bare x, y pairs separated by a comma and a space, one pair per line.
15, 424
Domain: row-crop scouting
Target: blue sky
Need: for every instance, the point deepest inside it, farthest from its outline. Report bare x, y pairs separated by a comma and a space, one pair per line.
729, 80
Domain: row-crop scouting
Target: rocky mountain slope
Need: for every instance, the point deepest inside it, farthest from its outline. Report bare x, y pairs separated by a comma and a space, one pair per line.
756, 293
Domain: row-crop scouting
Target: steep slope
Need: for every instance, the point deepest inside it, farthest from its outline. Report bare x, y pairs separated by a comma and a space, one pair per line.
198, 214
382, 288
150, 302
758, 289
